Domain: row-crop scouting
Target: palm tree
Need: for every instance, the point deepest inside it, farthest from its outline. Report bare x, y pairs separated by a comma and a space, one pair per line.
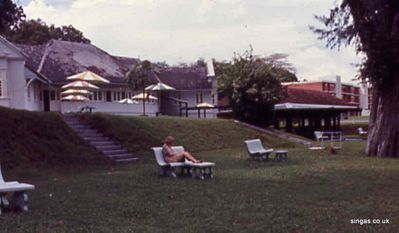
138, 77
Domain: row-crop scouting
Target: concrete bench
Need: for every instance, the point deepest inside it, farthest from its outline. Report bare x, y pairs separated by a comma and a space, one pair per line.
257, 151
196, 170
361, 132
19, 193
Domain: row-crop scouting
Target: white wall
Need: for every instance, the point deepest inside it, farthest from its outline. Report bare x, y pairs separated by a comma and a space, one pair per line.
4, 100
33, 102
191, 97
16, 84
12, 66
111, 108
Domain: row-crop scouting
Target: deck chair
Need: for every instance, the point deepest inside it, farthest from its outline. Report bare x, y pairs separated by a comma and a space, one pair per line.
257, 151
361, 132
196, 170
170, 169
19, 191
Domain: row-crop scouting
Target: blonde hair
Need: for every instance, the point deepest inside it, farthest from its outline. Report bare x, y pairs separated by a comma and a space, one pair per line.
169, 139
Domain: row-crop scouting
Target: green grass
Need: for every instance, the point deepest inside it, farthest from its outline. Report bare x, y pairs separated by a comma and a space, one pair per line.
139, 134
314, 192
358, 118
33, 139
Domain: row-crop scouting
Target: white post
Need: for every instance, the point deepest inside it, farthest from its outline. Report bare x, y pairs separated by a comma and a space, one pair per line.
338, 87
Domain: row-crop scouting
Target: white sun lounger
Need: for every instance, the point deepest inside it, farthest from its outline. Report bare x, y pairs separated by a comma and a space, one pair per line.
20, 194
361, 132
196, 170
257, 151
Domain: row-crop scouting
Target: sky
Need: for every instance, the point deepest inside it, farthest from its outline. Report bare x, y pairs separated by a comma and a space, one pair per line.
177, 31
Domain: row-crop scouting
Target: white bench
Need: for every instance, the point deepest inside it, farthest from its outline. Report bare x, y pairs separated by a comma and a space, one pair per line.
361, 132
196, 170
19, 191
257, 151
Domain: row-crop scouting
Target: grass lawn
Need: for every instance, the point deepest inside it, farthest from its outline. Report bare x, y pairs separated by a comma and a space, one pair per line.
38, 139
313, 192
139, 134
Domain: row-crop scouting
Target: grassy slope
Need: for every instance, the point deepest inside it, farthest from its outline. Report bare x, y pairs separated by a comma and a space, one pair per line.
313, 192
139, 134
40, 139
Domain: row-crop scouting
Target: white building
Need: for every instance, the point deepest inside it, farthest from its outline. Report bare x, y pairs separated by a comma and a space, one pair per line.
20, 87
31, 78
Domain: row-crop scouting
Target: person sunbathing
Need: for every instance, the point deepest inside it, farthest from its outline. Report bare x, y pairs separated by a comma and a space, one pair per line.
172, 157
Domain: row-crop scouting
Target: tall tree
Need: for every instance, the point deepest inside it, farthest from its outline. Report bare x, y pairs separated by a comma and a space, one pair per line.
139, 76
10, 15
252, 86
373, 26
38, 32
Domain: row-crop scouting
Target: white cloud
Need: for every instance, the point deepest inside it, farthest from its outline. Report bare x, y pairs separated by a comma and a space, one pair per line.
184, 30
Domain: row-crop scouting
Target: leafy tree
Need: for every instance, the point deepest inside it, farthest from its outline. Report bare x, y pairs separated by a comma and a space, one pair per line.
139, 77
10, 15
38, 32
199, 63
252, 85
373, 27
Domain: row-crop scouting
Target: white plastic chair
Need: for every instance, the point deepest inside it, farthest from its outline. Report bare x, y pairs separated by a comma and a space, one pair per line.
20, 194
257, 151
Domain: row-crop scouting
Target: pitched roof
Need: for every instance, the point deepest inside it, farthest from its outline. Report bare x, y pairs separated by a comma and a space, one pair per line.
59, 59
185, 78
300, 96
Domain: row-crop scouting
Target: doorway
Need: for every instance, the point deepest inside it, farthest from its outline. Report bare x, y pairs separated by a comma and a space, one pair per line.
46, 101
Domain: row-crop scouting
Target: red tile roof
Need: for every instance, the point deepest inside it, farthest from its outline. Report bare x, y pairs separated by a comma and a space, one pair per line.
300, 96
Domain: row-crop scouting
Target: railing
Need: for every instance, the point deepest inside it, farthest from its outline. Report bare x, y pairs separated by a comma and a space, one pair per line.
331, 137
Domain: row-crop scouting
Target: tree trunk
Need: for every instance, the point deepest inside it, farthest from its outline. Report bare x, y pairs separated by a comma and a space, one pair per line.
377, 26
383, 133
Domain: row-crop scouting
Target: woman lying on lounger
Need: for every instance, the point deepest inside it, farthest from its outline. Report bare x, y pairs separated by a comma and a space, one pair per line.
172, 157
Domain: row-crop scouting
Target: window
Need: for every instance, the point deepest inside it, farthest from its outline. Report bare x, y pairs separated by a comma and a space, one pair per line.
199, 97
108, 96
123, 95
95, 95
100, 95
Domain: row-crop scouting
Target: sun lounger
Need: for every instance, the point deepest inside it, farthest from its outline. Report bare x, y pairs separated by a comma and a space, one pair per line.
257, 151
196, 170
19, 191
361, 132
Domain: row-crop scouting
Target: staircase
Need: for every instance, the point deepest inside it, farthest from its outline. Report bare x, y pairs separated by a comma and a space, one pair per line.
111, 149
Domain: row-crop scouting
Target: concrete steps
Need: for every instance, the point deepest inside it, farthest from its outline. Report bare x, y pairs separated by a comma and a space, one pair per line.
111, 149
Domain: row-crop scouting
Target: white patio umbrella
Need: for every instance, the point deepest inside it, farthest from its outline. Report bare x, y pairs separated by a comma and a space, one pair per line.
80, 84
205, 105
76, 91
142, 96
159, 87
75, 98
88, 76
127, 101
